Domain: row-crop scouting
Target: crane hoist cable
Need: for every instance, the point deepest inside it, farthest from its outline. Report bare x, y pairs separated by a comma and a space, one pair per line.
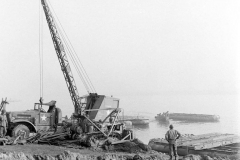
41, 48
73, 56
78, 63
75, 65
81, 71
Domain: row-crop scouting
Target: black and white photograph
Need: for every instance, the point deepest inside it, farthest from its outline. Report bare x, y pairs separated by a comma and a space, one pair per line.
120, 79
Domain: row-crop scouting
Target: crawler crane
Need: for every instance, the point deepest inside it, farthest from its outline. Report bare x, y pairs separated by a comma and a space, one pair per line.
87, 107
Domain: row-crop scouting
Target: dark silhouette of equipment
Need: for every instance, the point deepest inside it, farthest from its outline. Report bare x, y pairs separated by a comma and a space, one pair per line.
86, 108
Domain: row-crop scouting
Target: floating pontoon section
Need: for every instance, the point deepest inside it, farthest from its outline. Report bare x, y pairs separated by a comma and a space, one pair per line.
193, 117
205, 143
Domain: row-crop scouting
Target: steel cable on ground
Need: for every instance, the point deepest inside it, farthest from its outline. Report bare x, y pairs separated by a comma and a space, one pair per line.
78, 62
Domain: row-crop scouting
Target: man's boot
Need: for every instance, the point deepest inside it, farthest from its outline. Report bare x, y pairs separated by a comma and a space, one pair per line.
176, 157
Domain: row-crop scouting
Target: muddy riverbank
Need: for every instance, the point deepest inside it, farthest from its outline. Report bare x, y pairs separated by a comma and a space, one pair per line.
49, 152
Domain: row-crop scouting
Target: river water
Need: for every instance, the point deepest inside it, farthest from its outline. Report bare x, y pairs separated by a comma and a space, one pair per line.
157, 129
226, 106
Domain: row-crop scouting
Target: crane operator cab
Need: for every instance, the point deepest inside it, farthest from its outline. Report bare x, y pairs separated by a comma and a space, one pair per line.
103, 112
93, 102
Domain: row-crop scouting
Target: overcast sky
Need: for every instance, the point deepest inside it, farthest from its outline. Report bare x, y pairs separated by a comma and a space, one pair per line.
155, 55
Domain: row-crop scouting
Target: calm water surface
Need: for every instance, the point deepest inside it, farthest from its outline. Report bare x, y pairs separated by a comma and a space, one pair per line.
226, 106
157, 129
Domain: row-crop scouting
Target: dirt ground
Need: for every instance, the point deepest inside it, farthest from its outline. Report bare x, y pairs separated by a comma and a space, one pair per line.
50, 150
44, 149
54, 150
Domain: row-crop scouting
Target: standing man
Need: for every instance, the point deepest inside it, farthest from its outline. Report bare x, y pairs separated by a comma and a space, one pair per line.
111, 119
84, 123
171, 136
3, 123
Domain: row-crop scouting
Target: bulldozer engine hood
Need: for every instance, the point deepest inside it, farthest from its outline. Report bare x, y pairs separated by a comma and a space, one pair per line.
23, 115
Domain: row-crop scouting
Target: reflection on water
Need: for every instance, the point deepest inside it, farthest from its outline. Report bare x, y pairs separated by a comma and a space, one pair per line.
163, 124
141, 127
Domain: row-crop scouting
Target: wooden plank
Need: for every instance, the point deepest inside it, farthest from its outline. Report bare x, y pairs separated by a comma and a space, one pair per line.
230, 147
223, 150
216, 143
224, 139
122, 141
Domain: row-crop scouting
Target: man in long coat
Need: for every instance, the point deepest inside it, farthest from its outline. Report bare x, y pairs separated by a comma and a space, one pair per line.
3, 124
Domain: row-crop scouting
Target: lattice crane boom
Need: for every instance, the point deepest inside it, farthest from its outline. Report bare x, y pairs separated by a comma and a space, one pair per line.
62, 58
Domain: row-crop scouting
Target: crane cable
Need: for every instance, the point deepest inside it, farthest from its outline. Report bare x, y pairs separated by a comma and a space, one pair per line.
75, 65
80, 69
76, 61
84, 77
41, 48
